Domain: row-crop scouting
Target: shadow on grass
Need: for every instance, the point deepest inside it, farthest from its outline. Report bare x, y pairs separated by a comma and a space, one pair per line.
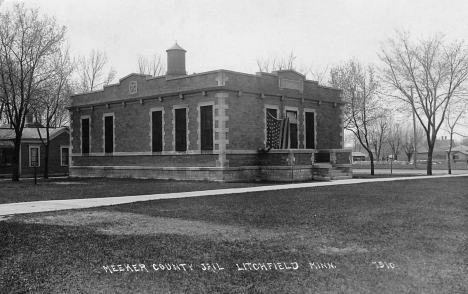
73, 188
399, 237
58, 261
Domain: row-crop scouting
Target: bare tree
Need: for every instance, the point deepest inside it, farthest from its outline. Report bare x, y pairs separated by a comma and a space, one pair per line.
276, 62
50, 105
379, 132
27, 44
319, 74
91, 71
360, 87
464, 141
407, 141
436, 72
350, 140
454, 113
154, 66
2, 108
395, 139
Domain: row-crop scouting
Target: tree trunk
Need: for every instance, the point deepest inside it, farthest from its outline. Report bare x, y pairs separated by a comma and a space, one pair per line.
449, 164
449, 152
429, 159
16, 161
46, 161
47, 147
371, 157
409, 155
377, 153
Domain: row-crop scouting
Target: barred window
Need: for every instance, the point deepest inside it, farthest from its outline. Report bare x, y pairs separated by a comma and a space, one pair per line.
206, 127
310, 130
157, 131
85, 135
108, 134
181, 129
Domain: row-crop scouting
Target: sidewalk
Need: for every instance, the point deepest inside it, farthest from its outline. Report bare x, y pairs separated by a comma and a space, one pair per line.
396, 171
54, 205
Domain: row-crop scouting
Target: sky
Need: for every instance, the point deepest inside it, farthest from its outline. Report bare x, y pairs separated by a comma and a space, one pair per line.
232, 35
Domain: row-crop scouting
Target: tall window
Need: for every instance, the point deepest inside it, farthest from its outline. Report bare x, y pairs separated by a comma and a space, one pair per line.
64, 156
310, 130
34, 156
108, 134
180, 129
157, 131
273, 112
292, 115
206, 127
85, 135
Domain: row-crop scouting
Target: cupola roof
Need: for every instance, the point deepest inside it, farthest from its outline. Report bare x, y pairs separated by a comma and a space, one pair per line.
176, 47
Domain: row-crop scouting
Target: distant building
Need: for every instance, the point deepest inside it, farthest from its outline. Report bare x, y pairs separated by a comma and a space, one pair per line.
32, 151
218, 125
459, 154
358, 156
439, 153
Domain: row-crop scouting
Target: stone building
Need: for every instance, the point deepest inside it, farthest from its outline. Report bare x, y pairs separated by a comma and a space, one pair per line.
209, 126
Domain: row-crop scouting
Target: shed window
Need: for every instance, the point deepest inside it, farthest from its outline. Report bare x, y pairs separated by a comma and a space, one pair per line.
64, 156
6, 156
34, 156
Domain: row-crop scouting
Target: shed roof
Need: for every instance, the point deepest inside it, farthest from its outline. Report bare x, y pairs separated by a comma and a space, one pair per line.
462, 152
31, 133
459, 148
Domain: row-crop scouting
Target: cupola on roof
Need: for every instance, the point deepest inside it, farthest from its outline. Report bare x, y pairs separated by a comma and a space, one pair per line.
175, 61
176, 47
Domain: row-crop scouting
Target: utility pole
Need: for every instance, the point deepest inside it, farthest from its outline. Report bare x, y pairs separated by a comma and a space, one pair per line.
414, 131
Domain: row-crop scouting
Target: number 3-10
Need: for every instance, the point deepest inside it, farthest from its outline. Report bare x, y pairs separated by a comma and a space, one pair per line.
380, 264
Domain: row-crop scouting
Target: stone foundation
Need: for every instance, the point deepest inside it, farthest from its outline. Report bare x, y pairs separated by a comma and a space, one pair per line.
286, 173
275, 165
217, 174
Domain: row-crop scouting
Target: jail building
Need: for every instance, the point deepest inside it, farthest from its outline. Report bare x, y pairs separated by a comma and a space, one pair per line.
219, 125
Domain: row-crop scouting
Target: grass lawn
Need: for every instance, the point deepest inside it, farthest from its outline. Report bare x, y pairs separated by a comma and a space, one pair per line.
421, 166
72, 188
79, 188
380, 176
387, 237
